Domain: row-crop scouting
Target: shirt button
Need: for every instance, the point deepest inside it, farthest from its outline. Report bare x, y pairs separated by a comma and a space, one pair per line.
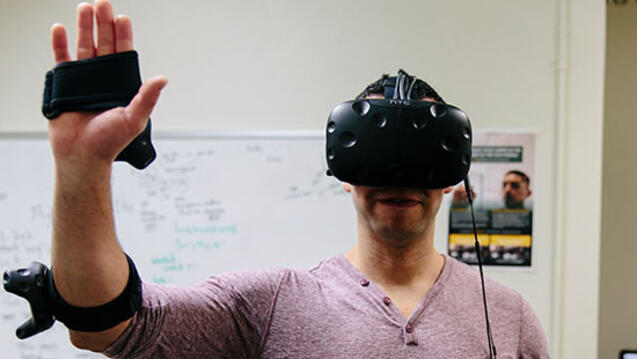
364, 282
409, 328
387, 300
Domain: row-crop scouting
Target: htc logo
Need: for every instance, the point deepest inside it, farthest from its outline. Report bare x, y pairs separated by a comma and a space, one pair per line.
400, 102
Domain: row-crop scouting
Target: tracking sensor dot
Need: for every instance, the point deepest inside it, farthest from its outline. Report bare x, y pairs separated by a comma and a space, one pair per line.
450, 143
466, 159
380, 120
420, 123
331, 127
361, 107
347, 139
438, 110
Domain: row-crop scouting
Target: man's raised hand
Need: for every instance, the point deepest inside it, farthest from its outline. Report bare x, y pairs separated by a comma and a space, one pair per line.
95, 139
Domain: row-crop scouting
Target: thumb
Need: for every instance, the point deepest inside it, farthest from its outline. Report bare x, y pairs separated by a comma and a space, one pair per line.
140, 108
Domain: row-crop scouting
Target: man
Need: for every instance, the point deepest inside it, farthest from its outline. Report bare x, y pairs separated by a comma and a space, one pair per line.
391, 296
515, 189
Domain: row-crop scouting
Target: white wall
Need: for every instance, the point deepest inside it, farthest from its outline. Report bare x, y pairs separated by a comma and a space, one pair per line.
296, 59
271, 65
578, 184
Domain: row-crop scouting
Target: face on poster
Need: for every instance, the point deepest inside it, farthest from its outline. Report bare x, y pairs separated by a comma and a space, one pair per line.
502, 177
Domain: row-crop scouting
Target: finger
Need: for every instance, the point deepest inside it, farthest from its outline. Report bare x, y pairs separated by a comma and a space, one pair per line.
139, 109
105, 28
123, 33
85, 44
59, 44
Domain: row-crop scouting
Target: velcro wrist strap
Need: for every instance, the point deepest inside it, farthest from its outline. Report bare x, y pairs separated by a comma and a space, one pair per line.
98, 84
94, 84
95, 319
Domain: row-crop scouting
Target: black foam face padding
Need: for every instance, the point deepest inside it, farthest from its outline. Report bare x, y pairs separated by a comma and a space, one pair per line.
398, 143
99, 84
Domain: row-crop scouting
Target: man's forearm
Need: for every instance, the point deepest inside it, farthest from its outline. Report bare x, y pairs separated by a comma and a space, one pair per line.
88, 264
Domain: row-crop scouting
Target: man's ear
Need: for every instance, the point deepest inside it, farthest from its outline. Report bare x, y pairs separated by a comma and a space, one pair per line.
347, 187
529, 193
447, 189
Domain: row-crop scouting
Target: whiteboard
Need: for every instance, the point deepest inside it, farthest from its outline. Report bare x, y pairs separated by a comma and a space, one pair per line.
209, 203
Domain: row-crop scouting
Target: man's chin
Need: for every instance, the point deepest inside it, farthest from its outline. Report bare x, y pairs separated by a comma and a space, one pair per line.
399, 233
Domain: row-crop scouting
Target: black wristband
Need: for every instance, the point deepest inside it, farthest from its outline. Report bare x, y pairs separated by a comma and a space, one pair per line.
106, 316
94, 84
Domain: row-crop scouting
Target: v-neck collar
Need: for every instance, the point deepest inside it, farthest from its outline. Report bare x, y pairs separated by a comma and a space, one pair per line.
378, 295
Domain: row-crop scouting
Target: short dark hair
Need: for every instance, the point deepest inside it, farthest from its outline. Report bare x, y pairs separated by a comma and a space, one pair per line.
421, 89
525, 178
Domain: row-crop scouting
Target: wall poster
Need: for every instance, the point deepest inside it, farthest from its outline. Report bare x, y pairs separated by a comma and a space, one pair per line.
501, 178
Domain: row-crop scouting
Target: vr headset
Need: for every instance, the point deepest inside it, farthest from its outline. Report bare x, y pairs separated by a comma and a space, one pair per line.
398, 140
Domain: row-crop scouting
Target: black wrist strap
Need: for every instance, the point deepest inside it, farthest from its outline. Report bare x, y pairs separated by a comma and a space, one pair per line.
99, 84
94, 84
95, 319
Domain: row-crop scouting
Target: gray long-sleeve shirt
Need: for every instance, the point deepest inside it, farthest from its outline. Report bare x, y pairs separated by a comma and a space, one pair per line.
329, 311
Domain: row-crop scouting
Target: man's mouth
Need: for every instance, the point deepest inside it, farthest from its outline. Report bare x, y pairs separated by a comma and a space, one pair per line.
398, 202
